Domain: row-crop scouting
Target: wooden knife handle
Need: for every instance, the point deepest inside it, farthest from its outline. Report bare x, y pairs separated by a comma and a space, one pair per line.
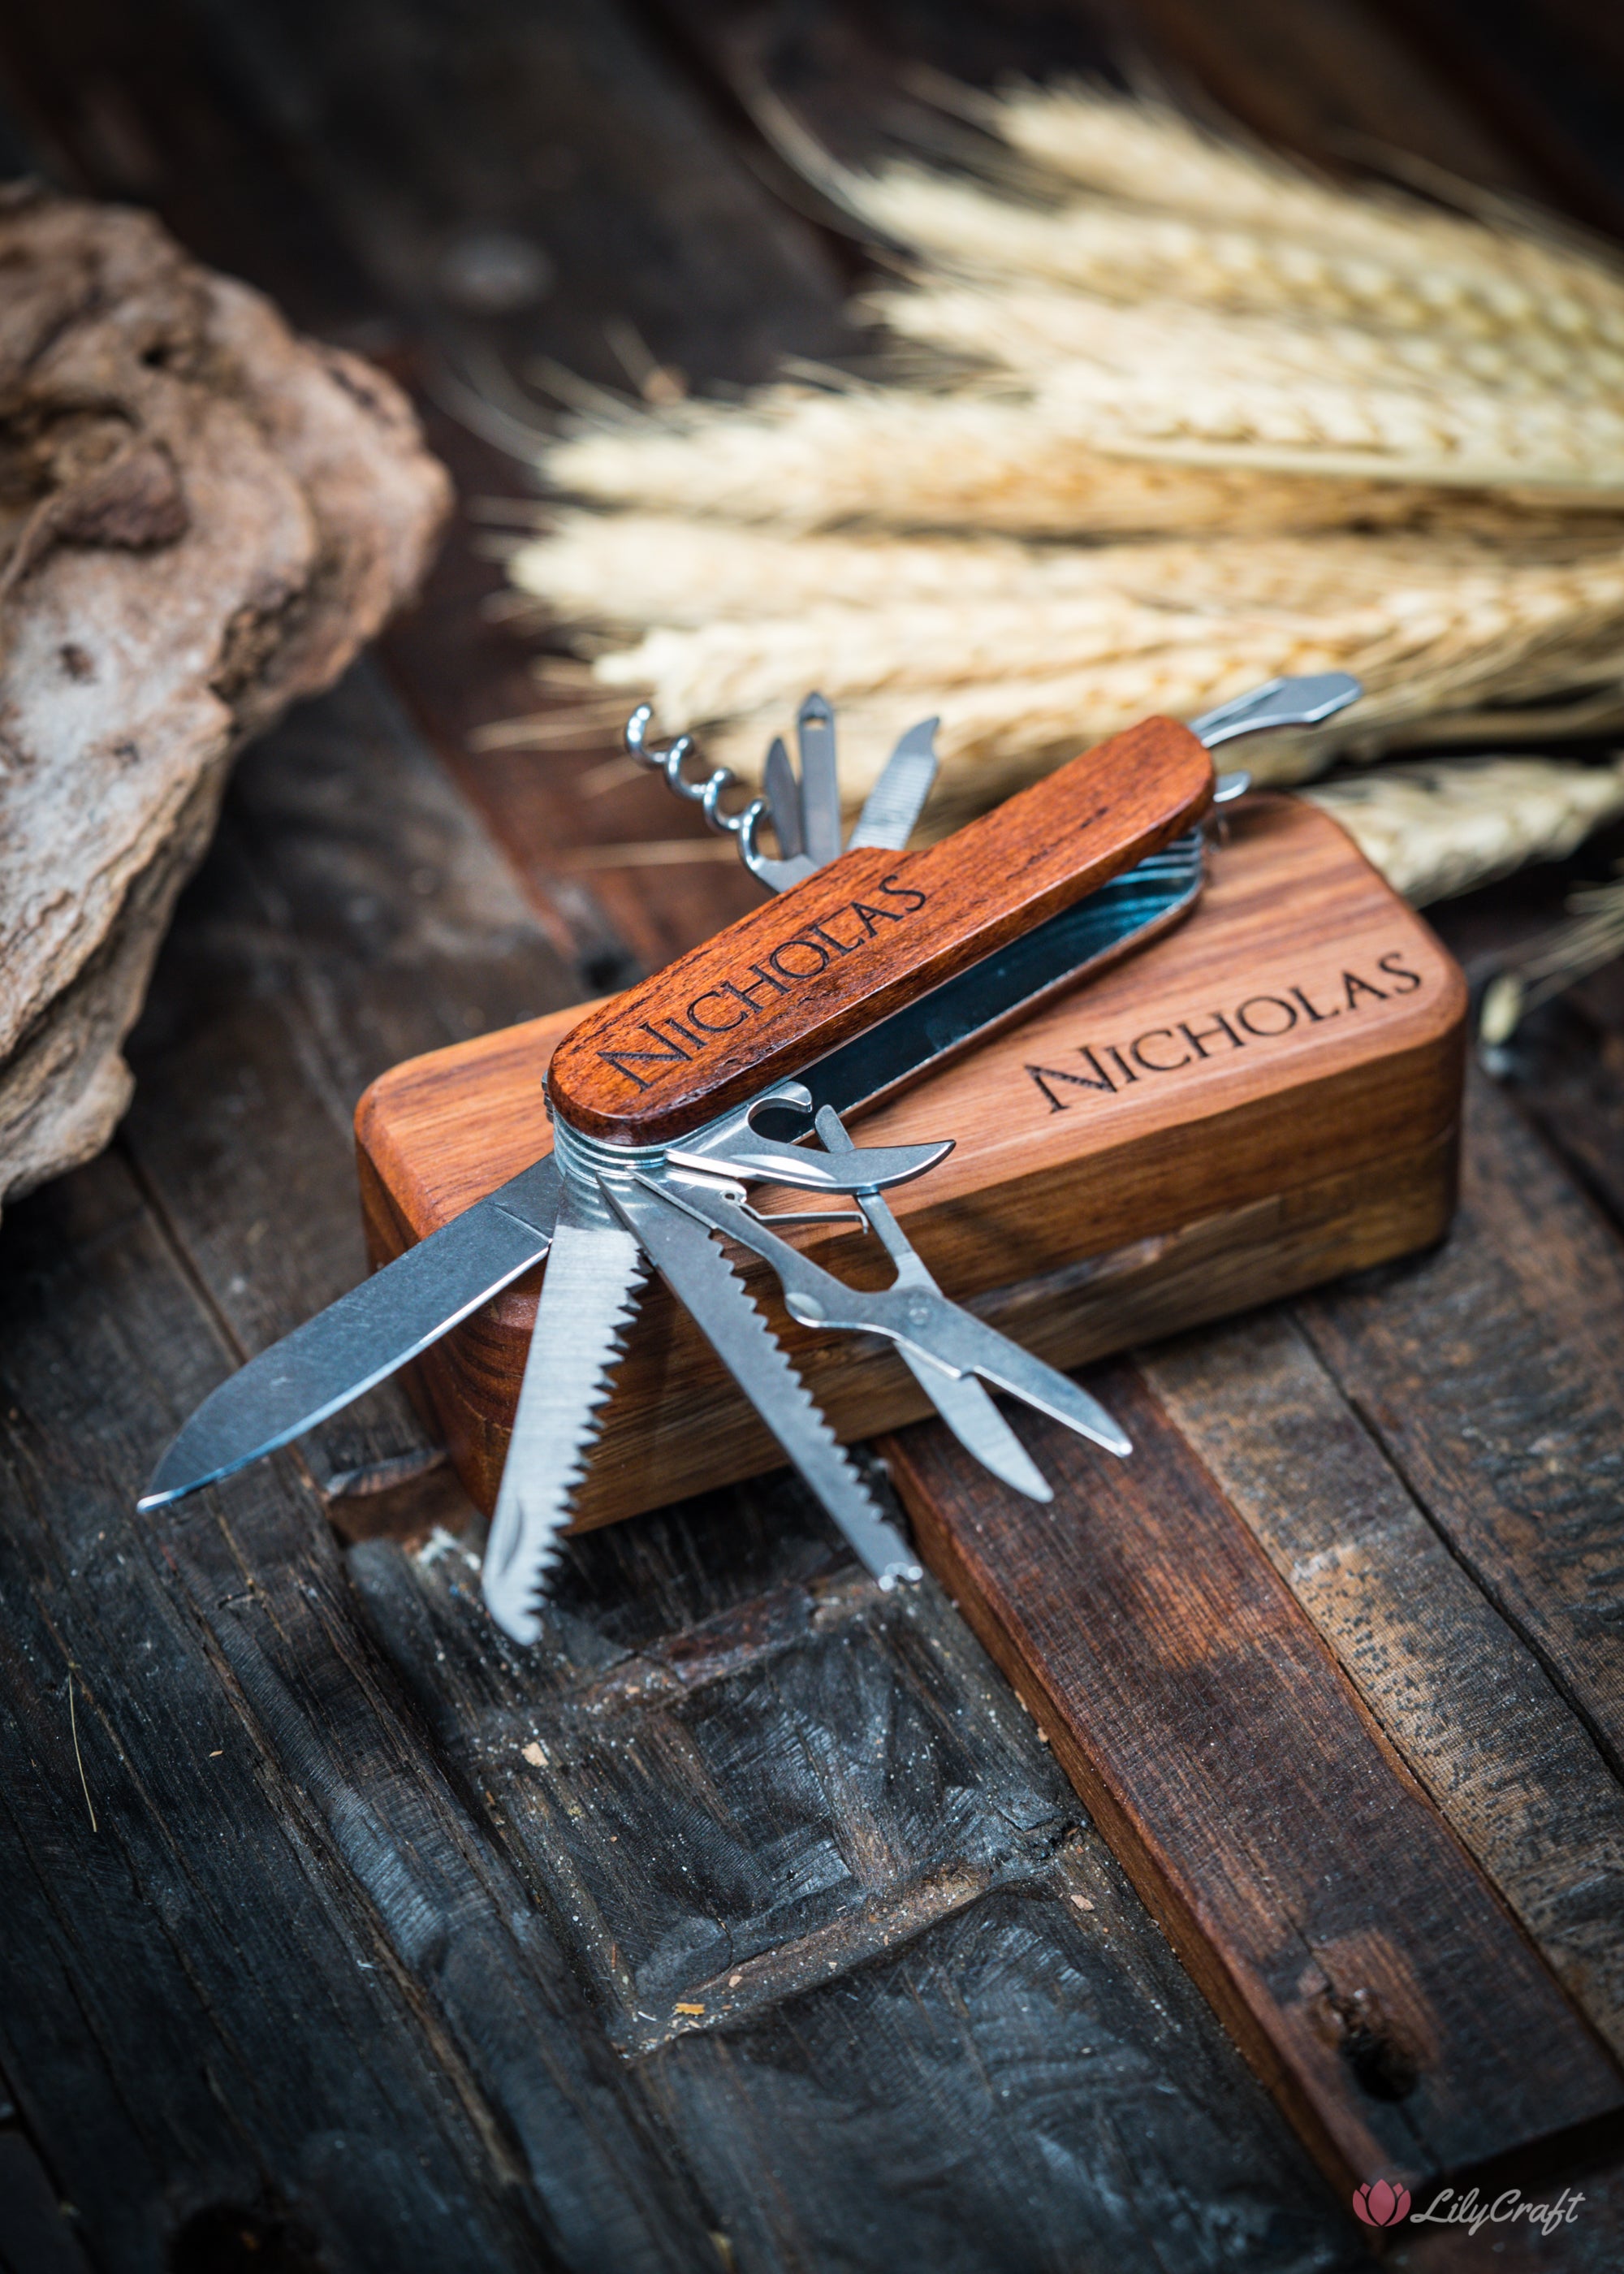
867, 933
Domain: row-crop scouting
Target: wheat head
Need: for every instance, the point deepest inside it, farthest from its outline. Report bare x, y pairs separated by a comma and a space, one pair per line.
1478, 287
1434, 831
1001, 464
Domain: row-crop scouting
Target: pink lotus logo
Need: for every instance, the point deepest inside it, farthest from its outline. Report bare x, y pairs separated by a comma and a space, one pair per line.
1381, 2205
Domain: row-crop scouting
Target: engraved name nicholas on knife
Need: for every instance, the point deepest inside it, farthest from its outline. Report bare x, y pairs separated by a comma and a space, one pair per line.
774, 974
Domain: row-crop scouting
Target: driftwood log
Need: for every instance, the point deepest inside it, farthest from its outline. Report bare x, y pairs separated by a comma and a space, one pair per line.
202, 518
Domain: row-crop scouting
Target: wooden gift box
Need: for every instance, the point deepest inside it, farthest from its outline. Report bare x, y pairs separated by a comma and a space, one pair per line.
1265, 1097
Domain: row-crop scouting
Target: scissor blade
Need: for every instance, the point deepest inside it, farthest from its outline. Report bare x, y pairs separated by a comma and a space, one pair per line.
362, 1339
705, 1283
820, 781
917, 1317
970, 1413
956, 1338
898, 799
588, 1300
963, 1404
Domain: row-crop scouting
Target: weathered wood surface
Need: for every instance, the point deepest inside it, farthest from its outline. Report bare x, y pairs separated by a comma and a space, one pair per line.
1316, 1896
1280, 1101
741, 1760
1475, 1713
937, 2051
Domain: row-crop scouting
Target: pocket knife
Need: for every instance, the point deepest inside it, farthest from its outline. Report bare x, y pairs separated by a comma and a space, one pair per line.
870, 966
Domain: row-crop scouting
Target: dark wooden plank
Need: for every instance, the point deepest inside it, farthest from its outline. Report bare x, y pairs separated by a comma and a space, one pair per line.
427, 128
1363, 1964
1565, 1076
1335, 81
996, 2083
1458, 1695
135, 108
1543, 76
202, 2007
1340, 81
1564, 1068
351, 903
1490, 1375
442, 140
557, 796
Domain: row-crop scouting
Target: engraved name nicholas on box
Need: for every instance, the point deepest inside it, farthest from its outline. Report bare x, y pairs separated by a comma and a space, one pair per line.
1210, 1033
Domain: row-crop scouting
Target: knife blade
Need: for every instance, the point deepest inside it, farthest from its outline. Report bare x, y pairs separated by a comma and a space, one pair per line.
893, 806
706, 1284
1121, 918
589, 1297
362, 1339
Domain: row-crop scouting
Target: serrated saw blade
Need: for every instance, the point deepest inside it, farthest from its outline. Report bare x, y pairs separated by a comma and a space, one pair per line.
703, 1281
589, 1298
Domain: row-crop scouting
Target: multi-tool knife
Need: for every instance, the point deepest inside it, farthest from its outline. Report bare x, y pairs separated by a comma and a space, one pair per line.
734, 1067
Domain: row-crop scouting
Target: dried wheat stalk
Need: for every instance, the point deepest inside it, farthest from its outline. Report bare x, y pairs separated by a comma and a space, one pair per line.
1034, 328
805, 458
1434, 831
1019, 681
1453, 276
1145, 152
1193, 417
632, 570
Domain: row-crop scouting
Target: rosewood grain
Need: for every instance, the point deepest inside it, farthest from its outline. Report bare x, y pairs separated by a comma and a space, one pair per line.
865, 935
